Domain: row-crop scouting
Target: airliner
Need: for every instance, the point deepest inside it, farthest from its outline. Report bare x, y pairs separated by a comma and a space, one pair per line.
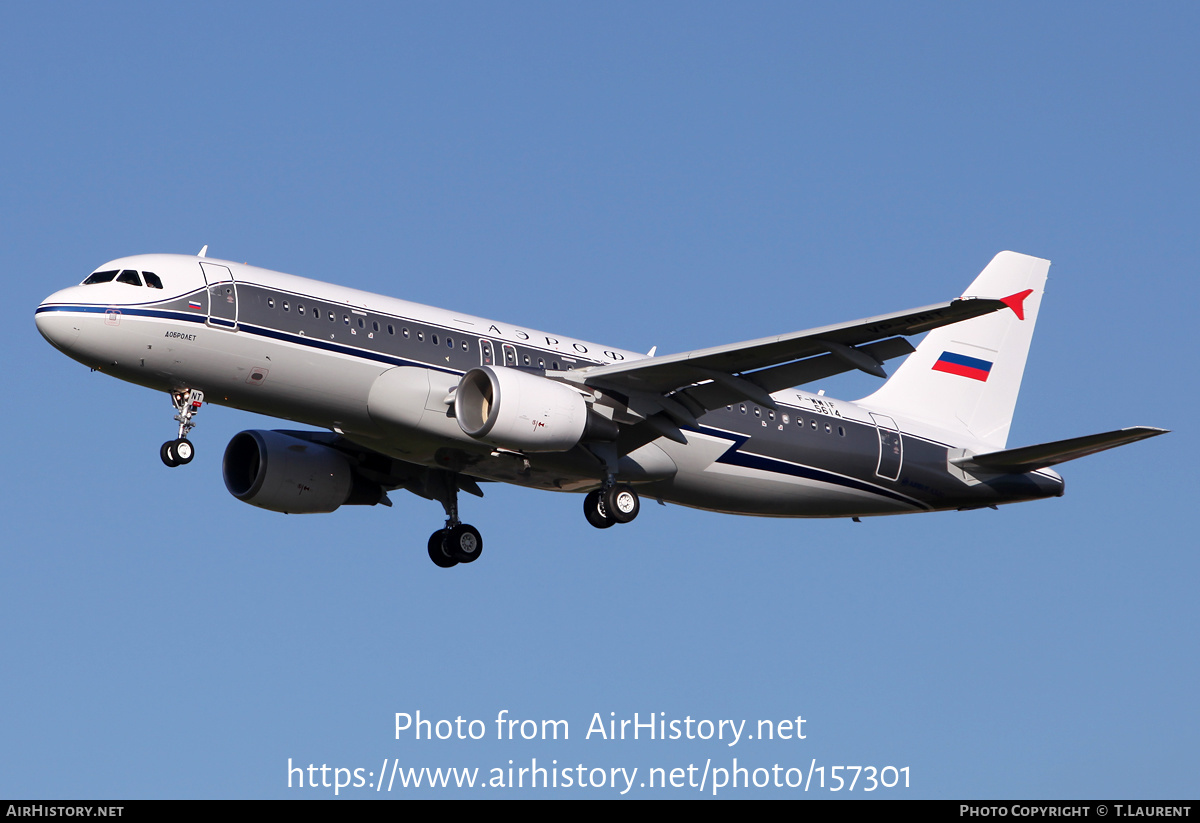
434, 402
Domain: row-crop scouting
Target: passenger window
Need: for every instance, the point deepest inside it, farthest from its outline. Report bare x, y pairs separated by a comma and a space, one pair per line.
391, 329
129, 276
286, 307
375, 325
270, 302
433, 338
361, 324
100, 277
300, 308
152, 280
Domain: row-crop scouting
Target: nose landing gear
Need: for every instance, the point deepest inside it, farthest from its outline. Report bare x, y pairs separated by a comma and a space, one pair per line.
180, 451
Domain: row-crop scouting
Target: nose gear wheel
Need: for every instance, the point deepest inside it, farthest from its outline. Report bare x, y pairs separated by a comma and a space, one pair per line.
180, 451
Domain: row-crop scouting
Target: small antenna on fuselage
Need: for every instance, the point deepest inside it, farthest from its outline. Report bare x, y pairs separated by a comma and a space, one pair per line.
203, 251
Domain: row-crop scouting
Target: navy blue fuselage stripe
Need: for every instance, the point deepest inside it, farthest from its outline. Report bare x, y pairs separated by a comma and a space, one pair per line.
734, 456
160, 313
261, 331
770, 464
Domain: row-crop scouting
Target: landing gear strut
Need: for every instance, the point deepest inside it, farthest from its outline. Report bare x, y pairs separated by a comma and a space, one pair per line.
180, 451
458, 542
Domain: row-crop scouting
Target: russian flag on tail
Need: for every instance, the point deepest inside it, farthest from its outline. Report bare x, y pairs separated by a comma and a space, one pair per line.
963, 366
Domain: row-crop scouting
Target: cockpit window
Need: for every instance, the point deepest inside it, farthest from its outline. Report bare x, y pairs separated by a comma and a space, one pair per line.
128, 276
100, 277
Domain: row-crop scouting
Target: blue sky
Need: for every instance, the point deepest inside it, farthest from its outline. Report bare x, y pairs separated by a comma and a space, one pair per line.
670, 175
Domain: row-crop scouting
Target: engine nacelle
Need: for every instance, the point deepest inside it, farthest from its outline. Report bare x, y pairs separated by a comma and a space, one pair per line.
518, 410
276, 471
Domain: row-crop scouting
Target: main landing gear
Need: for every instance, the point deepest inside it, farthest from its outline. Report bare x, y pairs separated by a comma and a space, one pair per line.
614, 503
180, 451
458, 542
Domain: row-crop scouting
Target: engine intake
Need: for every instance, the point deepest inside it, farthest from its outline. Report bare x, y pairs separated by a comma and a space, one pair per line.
276, 471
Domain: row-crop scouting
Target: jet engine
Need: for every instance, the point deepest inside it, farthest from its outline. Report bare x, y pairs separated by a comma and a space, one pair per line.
276, 471
524, 412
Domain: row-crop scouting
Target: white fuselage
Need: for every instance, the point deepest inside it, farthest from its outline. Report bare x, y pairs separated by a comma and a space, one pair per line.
381, 372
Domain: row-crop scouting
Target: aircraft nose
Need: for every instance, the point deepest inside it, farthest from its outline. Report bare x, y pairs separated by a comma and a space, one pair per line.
57, 326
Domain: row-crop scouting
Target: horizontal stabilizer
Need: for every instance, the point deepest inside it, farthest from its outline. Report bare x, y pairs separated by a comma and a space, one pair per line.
1031, 458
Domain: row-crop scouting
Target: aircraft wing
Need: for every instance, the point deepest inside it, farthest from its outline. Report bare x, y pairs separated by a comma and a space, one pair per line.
706, 379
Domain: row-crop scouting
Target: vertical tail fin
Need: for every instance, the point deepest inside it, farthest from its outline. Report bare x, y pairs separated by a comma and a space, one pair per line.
965, 377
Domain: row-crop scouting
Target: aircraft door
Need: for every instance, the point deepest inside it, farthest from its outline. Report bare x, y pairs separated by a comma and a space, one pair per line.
891, 447
485, 352
222, 296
